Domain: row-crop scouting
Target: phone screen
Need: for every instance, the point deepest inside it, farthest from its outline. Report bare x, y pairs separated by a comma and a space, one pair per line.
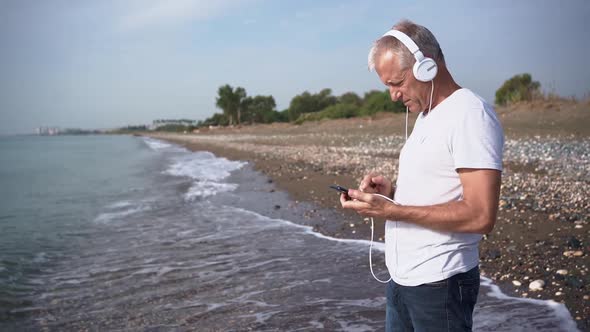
340, 189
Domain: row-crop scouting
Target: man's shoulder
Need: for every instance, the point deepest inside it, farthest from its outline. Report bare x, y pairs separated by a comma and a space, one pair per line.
465, 99
467, 104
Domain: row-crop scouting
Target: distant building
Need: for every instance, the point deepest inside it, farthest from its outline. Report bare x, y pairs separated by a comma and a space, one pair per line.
48, 131
182, 122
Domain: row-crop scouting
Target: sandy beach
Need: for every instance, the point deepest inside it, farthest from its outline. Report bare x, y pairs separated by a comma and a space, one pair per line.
542, 228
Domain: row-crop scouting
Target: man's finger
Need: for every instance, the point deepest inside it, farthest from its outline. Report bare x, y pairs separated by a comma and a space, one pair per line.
378, 179
359, 195
365, 182
343, 199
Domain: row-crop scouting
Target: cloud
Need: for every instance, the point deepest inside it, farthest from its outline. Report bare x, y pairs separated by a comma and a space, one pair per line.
165, 12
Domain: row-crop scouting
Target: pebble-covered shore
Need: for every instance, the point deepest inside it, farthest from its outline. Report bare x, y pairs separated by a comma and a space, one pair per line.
539, 247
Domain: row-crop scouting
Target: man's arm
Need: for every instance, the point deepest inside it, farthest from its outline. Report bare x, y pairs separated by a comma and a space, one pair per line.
476, 213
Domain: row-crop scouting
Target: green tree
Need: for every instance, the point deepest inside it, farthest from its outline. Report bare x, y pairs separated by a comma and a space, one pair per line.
282, 116
380, 101
259, 109
350, 98
230, 101
240, 95
309, 103
217, 119
518, 88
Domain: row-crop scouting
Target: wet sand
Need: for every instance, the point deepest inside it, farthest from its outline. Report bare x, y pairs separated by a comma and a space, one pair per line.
542, 228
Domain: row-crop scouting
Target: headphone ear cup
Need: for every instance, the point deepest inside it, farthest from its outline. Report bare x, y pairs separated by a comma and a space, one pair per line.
425, 70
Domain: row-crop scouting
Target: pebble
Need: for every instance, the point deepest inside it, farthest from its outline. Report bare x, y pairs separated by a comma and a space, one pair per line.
586, 297
537, 285
516, 283
558, 294
572, 253
562, 272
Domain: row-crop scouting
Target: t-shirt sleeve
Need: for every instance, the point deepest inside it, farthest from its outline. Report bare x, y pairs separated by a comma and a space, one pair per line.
478, 140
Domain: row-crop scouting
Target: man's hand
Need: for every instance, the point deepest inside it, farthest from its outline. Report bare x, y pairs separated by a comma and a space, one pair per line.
366, 204
376, 184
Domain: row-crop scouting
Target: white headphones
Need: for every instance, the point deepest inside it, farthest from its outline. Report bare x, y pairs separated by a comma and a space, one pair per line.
425, 68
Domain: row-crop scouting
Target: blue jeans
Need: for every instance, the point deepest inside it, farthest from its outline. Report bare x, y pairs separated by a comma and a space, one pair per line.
445, 305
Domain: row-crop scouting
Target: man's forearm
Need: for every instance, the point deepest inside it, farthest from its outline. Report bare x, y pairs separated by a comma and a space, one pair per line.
459, 216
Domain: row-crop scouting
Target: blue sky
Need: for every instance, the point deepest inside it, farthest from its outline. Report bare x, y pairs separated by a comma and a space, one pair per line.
109, 63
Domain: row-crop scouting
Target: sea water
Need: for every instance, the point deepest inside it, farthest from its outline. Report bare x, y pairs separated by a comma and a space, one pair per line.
123, 233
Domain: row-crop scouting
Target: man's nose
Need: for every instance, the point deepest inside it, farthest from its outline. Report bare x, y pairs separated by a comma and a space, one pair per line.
395, 94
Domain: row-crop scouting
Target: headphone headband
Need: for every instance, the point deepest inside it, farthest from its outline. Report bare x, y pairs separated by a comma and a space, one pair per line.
407, 41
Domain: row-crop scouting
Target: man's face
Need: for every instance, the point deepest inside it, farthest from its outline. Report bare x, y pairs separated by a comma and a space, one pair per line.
402, 84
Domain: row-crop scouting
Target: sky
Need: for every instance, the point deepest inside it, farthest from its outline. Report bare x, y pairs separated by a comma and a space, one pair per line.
112, 63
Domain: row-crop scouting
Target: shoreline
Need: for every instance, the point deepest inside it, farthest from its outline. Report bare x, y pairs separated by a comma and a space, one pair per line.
304, 160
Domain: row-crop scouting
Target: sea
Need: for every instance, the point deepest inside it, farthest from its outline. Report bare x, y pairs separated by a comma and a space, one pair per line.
126, 233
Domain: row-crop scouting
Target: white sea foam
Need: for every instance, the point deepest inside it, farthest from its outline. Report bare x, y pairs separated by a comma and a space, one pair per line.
316, 325
107, 217
158, 145
309, 230
164, 270
155, 144
207, 170
120, 204
40, 258
355, 327
203, 166
208, 188
566, 321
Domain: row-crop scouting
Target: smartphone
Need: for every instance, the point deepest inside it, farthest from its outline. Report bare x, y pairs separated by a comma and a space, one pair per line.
341, 189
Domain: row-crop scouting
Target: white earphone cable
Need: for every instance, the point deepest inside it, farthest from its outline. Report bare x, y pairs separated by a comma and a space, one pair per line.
407, 112
371, 259
431, 93
371, 245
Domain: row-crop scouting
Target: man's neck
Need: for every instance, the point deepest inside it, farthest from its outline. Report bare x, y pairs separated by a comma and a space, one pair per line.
444, 86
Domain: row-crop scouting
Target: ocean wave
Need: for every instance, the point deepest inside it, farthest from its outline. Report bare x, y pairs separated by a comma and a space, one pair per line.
108, 217
208, 188
309, 230
40, 257
203, 166
207, 170
158, 145
120, 204
566, 323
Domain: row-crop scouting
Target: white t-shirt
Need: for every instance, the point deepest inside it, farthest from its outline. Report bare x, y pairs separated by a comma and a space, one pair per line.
463, 131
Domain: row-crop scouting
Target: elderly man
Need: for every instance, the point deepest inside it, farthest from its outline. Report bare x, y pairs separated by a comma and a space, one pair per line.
447, 189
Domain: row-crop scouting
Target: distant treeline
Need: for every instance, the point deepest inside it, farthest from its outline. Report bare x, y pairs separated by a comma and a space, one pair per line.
237, 108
